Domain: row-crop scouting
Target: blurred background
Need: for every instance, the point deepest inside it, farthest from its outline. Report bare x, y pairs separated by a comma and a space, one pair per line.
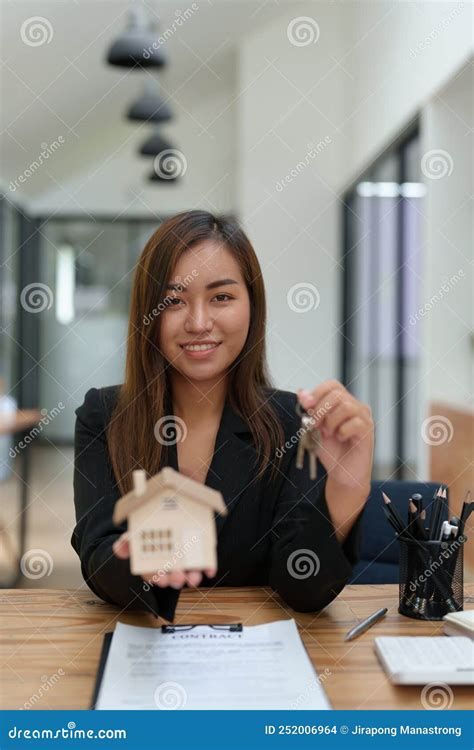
340, 134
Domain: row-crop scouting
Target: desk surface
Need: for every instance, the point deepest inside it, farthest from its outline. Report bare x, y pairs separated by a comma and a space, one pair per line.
50, 642
18, 421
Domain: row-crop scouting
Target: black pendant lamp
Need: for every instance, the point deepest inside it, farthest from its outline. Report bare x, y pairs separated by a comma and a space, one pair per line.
138, 46
154, 177
150, 106
169, 165
154, 145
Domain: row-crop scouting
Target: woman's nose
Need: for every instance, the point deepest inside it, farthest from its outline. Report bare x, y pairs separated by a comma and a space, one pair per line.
198, 319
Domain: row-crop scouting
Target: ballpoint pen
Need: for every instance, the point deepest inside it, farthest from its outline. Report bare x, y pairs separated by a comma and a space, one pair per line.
365, 624
446, 530
417, 499
454, 521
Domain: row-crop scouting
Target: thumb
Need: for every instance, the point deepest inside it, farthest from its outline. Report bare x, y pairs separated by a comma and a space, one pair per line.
121, 546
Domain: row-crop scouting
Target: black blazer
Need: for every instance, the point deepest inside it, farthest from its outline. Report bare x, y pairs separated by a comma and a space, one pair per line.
270, 529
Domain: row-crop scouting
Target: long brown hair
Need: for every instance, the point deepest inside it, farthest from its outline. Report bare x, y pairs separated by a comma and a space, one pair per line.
142, 397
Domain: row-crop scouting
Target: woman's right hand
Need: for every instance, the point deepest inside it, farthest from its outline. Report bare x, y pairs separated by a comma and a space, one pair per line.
176, 579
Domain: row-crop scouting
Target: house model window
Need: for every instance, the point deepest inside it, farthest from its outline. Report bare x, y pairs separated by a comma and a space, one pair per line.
170, 522
157, 541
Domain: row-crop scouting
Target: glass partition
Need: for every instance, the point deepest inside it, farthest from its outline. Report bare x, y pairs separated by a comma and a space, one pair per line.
381, 294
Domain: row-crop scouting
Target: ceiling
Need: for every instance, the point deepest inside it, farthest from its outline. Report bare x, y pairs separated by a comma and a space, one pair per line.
64, 87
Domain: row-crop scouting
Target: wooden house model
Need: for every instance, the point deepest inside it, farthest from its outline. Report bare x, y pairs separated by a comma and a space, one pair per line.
170, 522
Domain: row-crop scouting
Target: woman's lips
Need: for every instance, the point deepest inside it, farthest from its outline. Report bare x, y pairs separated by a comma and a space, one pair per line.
200, 354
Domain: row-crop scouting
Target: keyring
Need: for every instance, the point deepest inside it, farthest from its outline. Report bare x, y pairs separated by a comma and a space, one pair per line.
300, 410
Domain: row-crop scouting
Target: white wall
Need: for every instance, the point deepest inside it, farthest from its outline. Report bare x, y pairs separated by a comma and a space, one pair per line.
447, 126
375, 66
397, 56
293, 97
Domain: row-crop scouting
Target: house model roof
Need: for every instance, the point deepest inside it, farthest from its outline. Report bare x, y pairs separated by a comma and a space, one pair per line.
167, 479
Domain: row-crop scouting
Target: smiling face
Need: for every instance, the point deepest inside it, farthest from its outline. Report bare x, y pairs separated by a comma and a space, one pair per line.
205, 324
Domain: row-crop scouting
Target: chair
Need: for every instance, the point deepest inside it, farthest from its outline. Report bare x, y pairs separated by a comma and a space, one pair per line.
379, 548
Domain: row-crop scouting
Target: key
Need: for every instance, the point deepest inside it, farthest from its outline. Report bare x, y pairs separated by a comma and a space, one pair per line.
309, 441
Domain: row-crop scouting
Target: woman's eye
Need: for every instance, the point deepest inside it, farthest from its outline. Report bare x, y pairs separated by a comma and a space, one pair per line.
172, 301
176, 301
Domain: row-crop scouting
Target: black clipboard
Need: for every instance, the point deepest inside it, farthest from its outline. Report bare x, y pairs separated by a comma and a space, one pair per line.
107, 640
235, 627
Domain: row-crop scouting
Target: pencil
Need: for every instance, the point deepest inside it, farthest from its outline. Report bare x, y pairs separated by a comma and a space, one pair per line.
394, 512
416, 522
435, 512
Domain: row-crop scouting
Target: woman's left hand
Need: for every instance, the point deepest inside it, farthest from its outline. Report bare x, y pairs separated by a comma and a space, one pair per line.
347, 433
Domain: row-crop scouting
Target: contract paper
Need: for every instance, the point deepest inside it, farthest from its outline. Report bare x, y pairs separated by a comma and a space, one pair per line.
262, 667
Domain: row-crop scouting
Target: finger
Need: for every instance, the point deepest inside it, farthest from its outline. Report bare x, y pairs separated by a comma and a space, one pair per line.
177, 579
327, 404
121, 546
303, 395
342, 411
210, 572
305, 398
193, 577
162, 580
151, 578
318, 393
353, 428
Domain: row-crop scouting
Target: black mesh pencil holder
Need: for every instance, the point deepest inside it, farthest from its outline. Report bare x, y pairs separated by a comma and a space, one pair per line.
431, 577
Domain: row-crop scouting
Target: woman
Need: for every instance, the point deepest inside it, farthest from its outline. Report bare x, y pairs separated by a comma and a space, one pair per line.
196, 361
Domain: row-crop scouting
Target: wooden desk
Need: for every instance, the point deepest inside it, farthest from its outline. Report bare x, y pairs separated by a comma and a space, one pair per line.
46, 633
18, 424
